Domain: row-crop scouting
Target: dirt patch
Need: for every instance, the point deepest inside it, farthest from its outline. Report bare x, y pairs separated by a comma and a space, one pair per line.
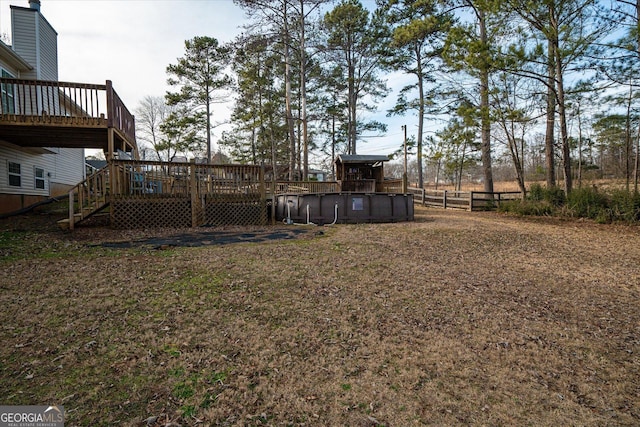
456, 318
208, 238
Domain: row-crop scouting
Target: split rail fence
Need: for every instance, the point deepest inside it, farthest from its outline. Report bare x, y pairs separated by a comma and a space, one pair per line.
469, 200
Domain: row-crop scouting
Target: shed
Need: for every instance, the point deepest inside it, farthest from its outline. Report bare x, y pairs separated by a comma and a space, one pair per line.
360, 173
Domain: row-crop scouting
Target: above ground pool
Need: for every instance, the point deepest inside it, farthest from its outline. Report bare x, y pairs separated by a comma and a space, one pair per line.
340, 208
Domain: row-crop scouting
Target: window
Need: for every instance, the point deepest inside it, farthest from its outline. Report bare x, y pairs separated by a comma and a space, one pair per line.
39, 178
7, 96
15, 177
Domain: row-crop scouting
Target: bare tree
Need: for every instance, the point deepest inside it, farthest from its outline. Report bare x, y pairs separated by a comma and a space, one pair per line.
150, 114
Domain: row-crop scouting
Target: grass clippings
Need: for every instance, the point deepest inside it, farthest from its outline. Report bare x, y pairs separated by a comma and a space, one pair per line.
457, 318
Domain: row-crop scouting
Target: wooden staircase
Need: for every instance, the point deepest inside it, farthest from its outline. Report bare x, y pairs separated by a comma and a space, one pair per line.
87, 198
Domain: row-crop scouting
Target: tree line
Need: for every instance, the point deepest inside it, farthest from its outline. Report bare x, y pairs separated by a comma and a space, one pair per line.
547, 87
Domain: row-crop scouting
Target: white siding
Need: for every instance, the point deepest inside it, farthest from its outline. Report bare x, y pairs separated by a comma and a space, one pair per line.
35, 40
48, 50
23, 29
66, 167
27, 162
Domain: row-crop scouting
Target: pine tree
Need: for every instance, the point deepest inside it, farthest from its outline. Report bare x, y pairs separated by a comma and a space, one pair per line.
200, 76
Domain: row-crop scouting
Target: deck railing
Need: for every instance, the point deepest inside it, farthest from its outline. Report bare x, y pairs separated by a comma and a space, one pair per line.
88, 197
284, 187
368, 186
148, 179
391, 186
64, 103
119, 116
154, 178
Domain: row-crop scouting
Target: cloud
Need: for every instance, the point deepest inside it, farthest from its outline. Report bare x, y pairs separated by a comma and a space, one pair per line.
132, 42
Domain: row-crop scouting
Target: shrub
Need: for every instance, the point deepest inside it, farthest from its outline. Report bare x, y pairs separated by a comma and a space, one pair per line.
555, 196
536, 192
526, 207
552, 195
586, 202
624, 206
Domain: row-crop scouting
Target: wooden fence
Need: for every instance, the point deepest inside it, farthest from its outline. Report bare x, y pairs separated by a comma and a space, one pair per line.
469, 200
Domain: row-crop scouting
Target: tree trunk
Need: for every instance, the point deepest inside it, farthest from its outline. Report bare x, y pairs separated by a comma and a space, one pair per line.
517, 163
551, 118
352, 111
254, 138
303, 95
562, 114
484, 109
299, 151
333, 146
287, 83
580, 160
420, 114
627, 141
208, 126
516, 154
637, 163
458, 185
564, 134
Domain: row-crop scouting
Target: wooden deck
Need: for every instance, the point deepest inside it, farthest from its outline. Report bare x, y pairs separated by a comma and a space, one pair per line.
151, 194
39, 113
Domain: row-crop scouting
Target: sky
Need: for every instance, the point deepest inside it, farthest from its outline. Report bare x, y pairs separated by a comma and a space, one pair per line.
131, 43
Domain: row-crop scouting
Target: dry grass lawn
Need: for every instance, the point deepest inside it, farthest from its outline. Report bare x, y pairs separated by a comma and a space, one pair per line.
455, 319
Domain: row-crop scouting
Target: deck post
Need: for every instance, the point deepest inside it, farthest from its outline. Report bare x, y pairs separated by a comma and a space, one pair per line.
109, 91
71, 213
273, 198
263, 194
193, 189
113, 179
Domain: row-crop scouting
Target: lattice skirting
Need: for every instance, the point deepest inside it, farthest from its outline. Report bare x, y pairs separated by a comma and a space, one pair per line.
236, 209
151, 213
212, 210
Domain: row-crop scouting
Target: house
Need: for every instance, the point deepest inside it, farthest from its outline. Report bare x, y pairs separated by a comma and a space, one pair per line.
46, 125
30, 174
316, 175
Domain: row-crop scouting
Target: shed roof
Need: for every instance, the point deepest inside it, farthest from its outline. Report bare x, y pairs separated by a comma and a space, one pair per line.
98, 164
360, 158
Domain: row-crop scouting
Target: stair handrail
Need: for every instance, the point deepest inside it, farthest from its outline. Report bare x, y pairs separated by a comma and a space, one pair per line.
92, 195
